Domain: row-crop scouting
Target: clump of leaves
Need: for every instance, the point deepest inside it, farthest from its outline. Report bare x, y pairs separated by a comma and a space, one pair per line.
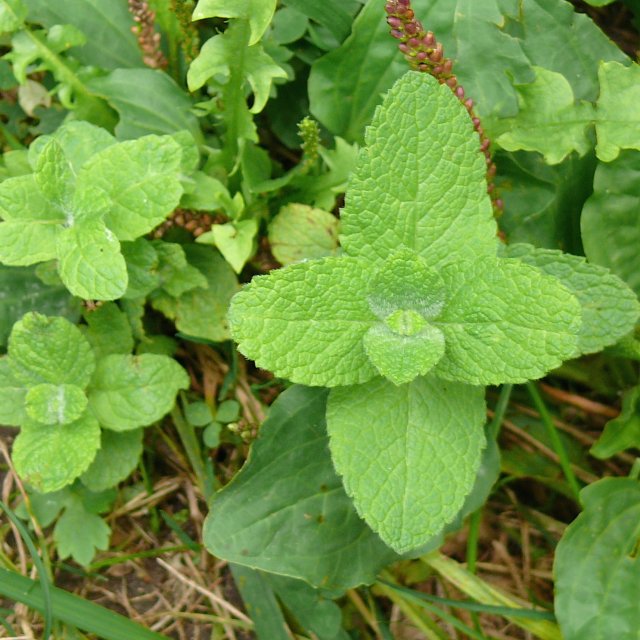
420, 313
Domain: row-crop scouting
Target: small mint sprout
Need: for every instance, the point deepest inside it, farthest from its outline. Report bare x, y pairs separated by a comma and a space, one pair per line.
405, 322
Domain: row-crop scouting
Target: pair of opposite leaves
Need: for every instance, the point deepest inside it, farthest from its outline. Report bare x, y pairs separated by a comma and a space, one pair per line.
425, 307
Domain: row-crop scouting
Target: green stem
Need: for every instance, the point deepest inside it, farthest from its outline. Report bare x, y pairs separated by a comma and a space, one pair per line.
501, 409
556, 441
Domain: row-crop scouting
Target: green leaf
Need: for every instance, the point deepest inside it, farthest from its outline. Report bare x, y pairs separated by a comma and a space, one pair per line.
108, 330
217, 58
12, 15
142, 268
611, 218
90, 263
597, 569
258, 12
45, 506
316, 307
505, 321
300, 232
117, 457
82, 548
622, 432
140, 178
147, 101
49, 457
407, 455
335, 15
287, 512
128, 392
12, 397
609, 308
549, 120
55, 404
55, 176
22, 291
202, 313
79, 141
49, 350
110, 41
434, 207
618, 125
234, 240
176, 275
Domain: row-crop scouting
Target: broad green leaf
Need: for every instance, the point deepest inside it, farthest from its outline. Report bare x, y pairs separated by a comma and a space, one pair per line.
128, 392
90, 263
335, 15
217, 58
202, 313
117, 457
309, 607
287, 512
82, 548
49, 457
505, 321
618, 125
234, 240
147, 101
46, 507
306, 322
79, 141
55, 404
108, 330
175, 275
543, 203
433, 207
622, 432
300, 232
257, 12
609, 308
22, 291
49, 350
142, 268
597, 569
141, 180
611, 218
407, 455
110, 41
12, 397
549, 120
12, 15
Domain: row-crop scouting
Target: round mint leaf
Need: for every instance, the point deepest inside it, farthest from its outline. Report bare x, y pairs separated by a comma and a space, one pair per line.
49, 350
401, 357
51, 457
55, 403
406, 283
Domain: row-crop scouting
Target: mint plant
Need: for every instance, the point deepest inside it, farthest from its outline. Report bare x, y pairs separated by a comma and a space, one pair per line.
419, 314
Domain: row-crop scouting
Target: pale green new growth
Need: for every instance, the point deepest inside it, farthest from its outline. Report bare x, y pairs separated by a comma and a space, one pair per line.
421, 291
55, 403
88, 193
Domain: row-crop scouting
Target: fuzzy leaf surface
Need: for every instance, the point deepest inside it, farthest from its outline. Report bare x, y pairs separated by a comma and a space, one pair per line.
117, 457
12, 397
433, 207
261, 519
128, 392
597, 568
108, 330
609, 308
611, 218
306, 322
407, 455
505, 321
55, 404
49, 457
140, 179
49, 350
176, 276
